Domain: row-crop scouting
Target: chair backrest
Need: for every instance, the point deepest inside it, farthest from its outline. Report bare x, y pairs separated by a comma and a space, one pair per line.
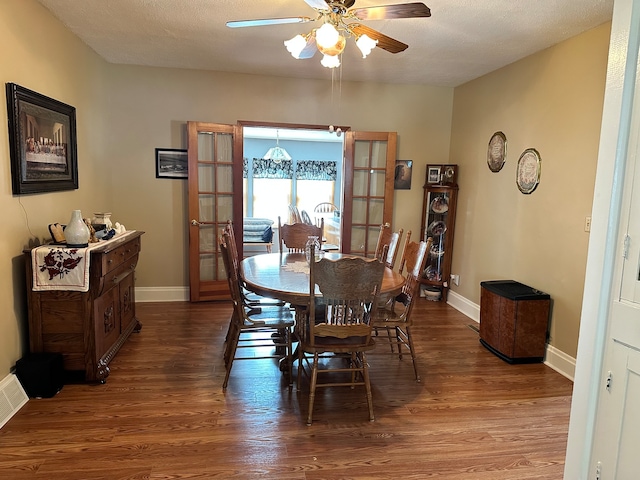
233, 275
294, 236
294, 214
322, 210
414, 259
350, 287
392, 240
305, 217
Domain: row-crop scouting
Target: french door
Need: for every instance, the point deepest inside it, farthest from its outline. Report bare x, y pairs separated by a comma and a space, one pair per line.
215, 197
369, 167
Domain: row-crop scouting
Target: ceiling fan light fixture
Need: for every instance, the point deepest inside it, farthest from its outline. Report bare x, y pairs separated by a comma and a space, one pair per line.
365, 43
330, 61
327, 36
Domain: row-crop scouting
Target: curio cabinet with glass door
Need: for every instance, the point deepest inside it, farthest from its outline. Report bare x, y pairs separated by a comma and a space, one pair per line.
438, 222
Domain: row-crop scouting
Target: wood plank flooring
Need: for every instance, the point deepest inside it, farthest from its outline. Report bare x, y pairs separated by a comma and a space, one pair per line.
162, 413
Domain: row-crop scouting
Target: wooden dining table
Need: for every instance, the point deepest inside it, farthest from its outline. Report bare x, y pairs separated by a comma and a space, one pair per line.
285, 276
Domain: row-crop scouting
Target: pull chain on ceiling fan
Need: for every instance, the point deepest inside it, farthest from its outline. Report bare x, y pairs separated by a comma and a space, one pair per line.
339, 22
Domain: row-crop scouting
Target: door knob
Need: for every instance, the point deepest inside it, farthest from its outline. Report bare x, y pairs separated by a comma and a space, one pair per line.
195, 223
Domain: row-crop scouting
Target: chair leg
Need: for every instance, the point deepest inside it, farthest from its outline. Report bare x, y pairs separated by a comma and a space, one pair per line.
233, 345
289, 334
399, 342
367, 384
312, 387
413, 353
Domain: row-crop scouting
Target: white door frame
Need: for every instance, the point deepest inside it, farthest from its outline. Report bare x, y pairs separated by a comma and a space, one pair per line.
614, 136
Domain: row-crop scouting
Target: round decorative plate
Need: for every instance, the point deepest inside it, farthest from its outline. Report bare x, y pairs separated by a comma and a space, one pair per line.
528, 171
437, 228
497, 151
440, 205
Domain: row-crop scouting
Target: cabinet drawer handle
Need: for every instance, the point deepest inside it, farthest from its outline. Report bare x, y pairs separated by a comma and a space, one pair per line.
123, 275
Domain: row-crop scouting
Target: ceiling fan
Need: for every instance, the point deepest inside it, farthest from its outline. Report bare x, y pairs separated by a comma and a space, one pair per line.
340, 21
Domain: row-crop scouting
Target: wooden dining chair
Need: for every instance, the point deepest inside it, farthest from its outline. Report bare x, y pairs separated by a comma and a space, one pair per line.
338, 325
322, 210
264, 330
394, 317
392, 240
294, 236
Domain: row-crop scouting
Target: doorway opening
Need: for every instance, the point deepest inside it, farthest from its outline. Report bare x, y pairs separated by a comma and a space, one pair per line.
313, 175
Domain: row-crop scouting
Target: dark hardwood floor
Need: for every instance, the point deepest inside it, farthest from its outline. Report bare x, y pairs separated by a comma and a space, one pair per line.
162, 413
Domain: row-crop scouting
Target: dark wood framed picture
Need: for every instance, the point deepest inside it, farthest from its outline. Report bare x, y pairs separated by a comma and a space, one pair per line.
42, 142
171, 163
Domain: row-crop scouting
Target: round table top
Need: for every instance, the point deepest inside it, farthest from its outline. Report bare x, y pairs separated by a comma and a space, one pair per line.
285, 276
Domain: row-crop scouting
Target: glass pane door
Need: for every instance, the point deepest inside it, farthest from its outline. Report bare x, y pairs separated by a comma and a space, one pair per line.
212, 203
369, 169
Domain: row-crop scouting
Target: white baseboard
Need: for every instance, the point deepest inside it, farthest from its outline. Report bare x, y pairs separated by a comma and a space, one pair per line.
162, 294
12, 398
560, 362
464, 305
556, 359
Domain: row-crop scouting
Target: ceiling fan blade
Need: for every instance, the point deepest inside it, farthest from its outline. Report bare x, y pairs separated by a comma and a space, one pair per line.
317, 4
383, 12
386, 43
267, 21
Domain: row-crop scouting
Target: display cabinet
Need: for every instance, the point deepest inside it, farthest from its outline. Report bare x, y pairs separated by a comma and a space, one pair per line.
438, 222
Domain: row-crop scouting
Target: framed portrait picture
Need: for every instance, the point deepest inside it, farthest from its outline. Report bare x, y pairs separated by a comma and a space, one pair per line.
171, 163
402, 178
433, 174
42, 142
528, 171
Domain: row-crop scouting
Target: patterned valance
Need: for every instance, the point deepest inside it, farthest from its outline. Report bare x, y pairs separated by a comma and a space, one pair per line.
316, 170
304, 169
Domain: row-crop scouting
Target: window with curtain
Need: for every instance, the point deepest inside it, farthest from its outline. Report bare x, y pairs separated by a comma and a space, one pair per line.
270, 187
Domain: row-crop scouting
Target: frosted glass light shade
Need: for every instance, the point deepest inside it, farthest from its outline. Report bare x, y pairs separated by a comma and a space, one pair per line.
295, 45
330, 61
335, 49
366, 44
327, 36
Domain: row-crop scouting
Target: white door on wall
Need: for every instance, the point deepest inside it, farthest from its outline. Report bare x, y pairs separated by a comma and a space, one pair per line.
617, 431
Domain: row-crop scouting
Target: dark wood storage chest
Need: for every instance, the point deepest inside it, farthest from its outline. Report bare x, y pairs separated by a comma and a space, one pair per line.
514, 319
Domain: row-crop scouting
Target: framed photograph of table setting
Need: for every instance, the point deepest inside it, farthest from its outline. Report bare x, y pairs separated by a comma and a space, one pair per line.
42, 142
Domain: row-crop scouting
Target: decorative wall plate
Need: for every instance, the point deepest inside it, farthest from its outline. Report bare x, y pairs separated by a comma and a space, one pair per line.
528, 171
497, 151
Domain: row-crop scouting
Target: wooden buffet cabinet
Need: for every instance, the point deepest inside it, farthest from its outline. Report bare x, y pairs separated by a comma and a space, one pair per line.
88, 328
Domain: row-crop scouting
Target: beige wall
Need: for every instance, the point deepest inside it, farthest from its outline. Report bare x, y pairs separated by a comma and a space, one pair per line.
148, 108
36, 52
551, 101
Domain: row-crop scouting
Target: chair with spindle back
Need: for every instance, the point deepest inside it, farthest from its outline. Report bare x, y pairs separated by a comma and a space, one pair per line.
339, 324
394, 317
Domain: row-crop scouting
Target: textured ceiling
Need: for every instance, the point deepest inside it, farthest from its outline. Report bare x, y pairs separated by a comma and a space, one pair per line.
462, 40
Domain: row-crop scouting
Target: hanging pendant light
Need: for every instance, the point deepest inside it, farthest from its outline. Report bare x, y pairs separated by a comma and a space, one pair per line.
277, 154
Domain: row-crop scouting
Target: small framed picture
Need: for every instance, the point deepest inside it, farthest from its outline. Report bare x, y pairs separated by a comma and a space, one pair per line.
171, 163
402, 178
433, 174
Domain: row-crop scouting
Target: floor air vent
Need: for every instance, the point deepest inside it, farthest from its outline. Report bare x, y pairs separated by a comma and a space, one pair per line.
474, 328
12, 398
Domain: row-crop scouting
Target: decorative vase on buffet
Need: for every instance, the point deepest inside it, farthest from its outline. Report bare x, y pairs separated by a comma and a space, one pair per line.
315, 242
76, 233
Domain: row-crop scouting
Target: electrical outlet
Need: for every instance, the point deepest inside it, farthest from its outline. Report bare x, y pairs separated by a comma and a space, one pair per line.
455, 279
587, 224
